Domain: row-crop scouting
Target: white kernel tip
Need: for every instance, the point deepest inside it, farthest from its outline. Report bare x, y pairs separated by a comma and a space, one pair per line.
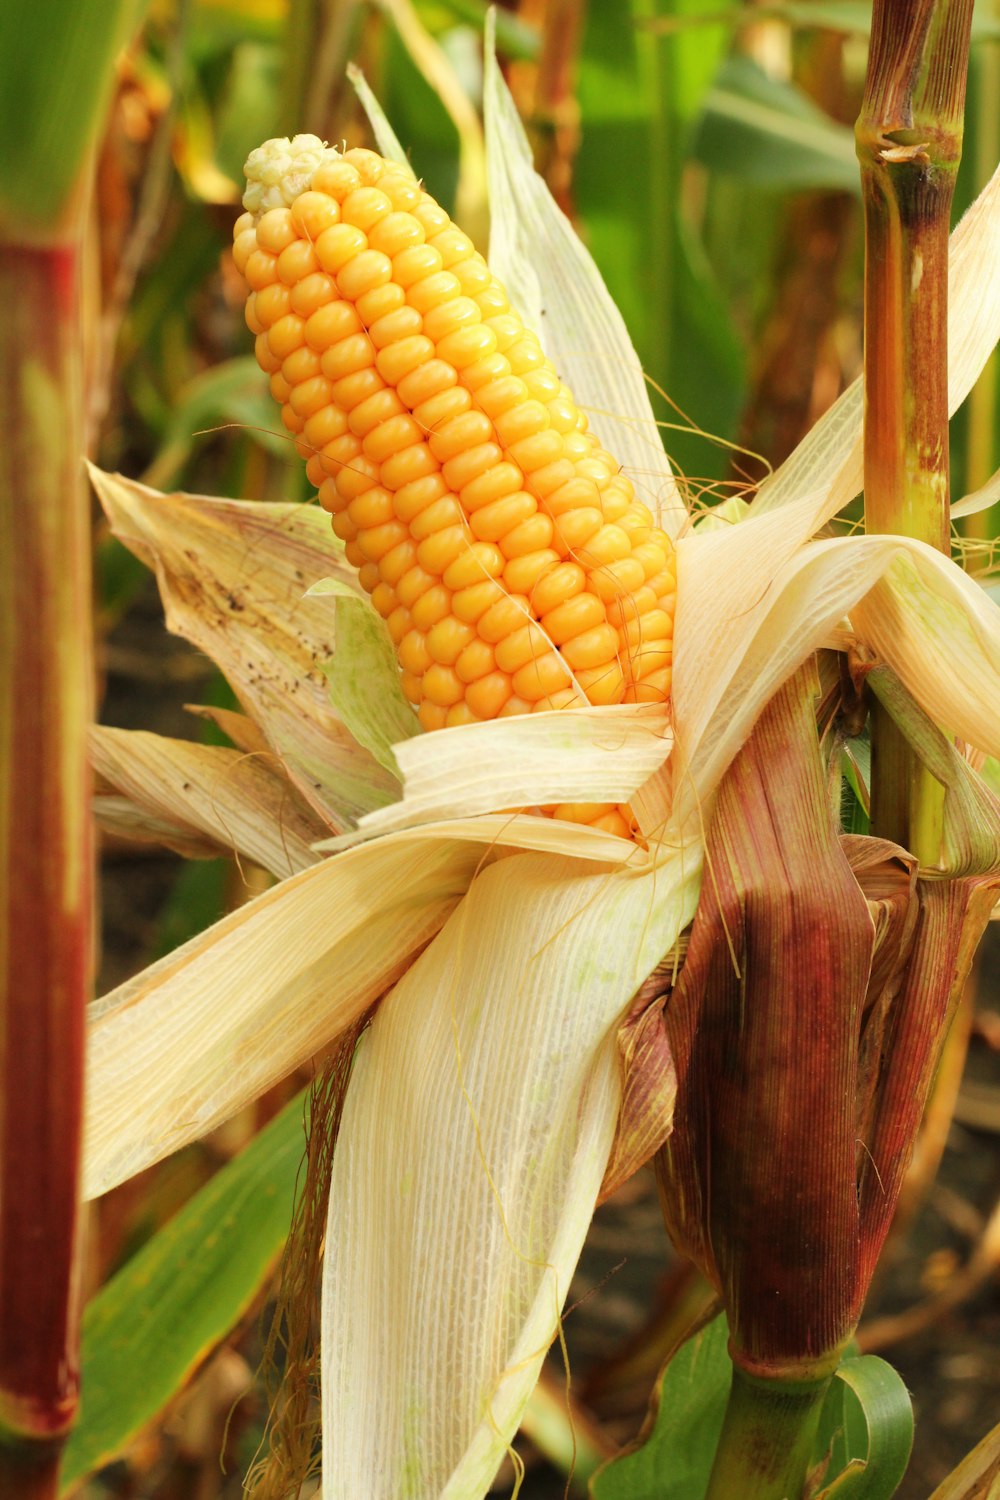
281, 170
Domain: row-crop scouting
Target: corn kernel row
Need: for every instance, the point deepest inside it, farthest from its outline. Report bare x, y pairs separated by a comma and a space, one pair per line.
513, 564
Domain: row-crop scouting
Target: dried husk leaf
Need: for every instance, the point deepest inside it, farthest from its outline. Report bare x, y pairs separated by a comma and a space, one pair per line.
572, 755
648, 1083
763, 1025
232, 576
476, 1132
228, 801
555, 285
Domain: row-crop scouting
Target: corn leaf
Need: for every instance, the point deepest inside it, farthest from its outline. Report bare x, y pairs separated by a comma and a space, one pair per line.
769, 133
184, 795
206, 1029
473, 1143
152, 1325
570, 755
675, 1460
977, 1475
385, 137
868, 1421
558, 290
233, 575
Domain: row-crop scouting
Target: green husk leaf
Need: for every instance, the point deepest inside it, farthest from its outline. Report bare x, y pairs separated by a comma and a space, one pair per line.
158, 1319
363, 676
385, 137
675, 1459
868, 1420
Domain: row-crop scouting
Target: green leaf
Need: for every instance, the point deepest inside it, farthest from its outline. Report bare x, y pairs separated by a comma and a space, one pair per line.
515, 39
675, 1461
153, 1324
769, 133
233, 393
364, 678
56, 72
867, 1429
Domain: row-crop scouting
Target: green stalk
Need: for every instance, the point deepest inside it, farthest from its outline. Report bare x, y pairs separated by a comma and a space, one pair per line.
909, 141
767, 1438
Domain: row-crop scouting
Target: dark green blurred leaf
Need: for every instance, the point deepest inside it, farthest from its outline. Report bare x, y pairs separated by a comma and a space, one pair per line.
197, 900
150, 1327
232, 392
770, 134
248, 107
867, 1427
676, 1460
515, 39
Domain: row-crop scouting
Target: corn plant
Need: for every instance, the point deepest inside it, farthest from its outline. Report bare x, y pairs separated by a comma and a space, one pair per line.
590, 906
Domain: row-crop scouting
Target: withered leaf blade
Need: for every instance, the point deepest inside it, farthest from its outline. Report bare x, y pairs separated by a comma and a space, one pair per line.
233, 576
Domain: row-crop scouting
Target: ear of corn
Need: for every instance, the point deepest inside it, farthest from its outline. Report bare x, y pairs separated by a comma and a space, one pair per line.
513, 564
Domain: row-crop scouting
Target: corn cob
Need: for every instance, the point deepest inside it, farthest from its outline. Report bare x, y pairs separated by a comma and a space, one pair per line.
513, 564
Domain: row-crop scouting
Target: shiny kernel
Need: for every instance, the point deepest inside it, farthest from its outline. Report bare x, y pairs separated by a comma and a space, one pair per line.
537, 451
432, 716
330, 497
353, 389
400, 323
522, 421
432, 606
413, 654
467, 345
410, 499
502, 395
275, 230
251, 319
549, 477
575, 529
404, 357
533, 534
578, 446
261, 270
544, 384
492, 300
522, 574
627, 608
279, 387
453, 245
348, 355
411, 686
312, 213
473, 601
369, 577
392, 436
565, 697
268, 362
446, 317
426, 381
356, 476
329, 324
482, 561
345, 528
573, 494
395, 232
447, 639
562, 583
413, 582
244, 243
492, 484
613, 822
414, 264
487, 696
375, 541
297, 261
368, 269
475, 661
373, 508
398, 623
525, 356
399, 186
651, 555
336, 177
466, 466
521, 645
365, 207
609, 545
485, 372
433, 291
652, 689
540, 677
354, 555
515, 706
583, 612
310, 396
291, 419
431, 215
508, 329
383, 596
407, 465
443, 513
582, 812
463, 431
437, 551
603, 684
369, 164
491, 523
617, 579
301, 364
369, 414
652, 658
433, 413
653, 626
338, 245
475, 278
286, 335
562, 412
508, 614
379, 302
272, 304
459, 714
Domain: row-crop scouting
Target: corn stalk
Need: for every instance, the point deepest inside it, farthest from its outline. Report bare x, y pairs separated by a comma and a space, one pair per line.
909, 140
54, 79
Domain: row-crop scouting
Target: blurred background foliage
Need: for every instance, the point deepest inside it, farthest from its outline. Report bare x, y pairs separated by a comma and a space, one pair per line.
705, 152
